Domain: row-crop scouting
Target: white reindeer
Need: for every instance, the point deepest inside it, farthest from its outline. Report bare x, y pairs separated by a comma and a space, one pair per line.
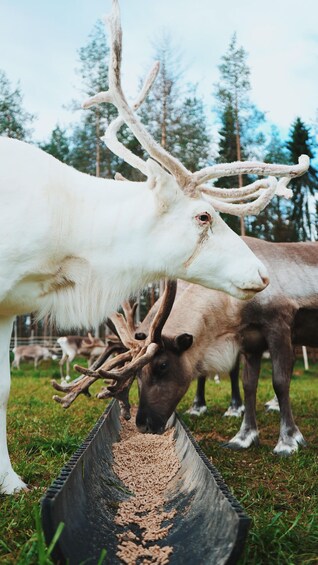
73, 246
73, 345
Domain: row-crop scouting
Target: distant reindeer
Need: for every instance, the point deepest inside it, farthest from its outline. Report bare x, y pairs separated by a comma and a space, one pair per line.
37, 353
72, 345
84, 251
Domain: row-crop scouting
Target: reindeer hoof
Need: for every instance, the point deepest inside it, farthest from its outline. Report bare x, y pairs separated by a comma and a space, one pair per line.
196, 410
239, 442
289, 445
234, 412
272, 405
234, 446
10, 483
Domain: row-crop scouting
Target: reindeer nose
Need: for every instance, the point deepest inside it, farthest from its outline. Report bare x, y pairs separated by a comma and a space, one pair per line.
265, 279
263, 276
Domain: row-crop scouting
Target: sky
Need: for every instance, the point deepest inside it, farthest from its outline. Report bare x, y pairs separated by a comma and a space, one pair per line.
40, 39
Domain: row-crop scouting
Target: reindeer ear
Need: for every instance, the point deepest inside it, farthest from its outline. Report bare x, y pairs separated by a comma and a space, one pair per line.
162, 183
182, 342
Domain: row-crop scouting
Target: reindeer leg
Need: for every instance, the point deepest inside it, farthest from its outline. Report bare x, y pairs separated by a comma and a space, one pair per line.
283, 362
10, 482
248, 434
67, 378
61, 363
236, 407
199, 405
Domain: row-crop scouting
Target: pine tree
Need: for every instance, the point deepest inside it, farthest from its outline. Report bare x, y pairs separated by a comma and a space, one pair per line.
88, 152
173, 113
192, 139
302, 213
160, 110
228, 141
239, 118
14, 120
271, 224
58, 145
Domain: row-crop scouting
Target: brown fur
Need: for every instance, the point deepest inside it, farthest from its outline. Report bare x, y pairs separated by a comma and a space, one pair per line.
282, 316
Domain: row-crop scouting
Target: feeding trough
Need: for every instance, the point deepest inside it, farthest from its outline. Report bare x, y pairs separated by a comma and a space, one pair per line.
209, 526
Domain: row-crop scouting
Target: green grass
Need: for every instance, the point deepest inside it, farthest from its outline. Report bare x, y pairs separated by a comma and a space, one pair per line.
42, 436
280, 495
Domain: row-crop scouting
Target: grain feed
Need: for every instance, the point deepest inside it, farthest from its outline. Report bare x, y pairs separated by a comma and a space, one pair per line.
145, 463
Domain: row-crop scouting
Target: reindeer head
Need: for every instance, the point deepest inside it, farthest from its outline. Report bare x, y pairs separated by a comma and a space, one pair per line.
163, 372
184, 229
162, 383
134, 353
186, 233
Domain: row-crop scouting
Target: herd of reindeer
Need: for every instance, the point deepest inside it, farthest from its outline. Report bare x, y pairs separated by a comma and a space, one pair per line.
65, 350
83, 255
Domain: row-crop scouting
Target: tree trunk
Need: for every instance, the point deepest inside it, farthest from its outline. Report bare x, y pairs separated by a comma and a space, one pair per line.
96, 331
238, 153
97, 144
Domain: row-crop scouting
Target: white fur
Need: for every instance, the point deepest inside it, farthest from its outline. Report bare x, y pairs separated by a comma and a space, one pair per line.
272, 405
197, 410
244, 439
288, 444
232, 412
10, 482
69, 351
67, 348
74, 246
222, 356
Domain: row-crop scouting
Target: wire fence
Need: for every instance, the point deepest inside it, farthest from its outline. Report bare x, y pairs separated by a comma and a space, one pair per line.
45, 341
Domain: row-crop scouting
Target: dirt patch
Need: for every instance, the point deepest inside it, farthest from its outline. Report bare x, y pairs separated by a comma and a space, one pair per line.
146, 464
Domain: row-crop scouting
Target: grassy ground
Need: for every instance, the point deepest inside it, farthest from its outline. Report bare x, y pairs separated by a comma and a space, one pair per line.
280, 495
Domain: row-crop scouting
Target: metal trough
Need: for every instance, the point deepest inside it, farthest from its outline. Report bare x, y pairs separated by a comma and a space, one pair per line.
210, 526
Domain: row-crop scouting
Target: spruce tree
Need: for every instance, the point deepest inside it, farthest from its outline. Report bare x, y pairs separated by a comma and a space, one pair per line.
271, 224
302, 214
88, 152
58, 145
239, 118
191, 135
174, 113
15, 121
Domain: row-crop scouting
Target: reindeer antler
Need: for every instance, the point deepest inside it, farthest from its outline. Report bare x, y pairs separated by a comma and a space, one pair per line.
116, 96
191, 183
251, 168
134, 354
82, 384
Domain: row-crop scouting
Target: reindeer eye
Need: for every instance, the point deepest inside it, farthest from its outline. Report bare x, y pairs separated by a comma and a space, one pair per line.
204, 218
161, 368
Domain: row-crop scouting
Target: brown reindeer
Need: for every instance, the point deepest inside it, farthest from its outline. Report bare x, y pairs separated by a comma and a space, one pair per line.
132, 354
36, 352
207, 330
